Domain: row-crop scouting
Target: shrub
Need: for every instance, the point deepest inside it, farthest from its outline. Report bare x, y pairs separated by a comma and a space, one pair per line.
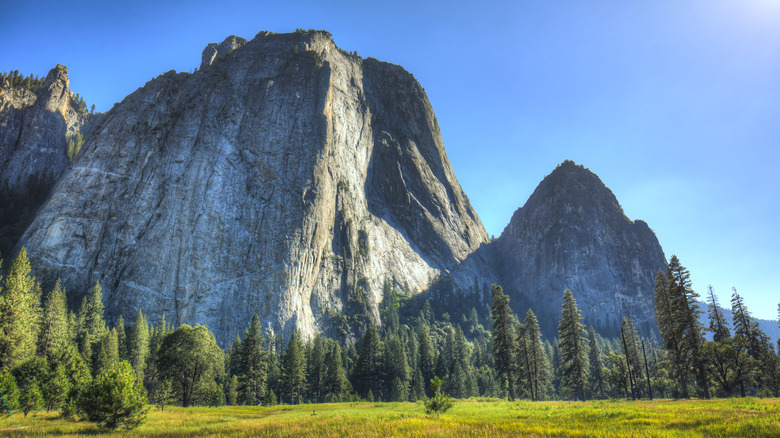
115, 398
440, 402
9, 392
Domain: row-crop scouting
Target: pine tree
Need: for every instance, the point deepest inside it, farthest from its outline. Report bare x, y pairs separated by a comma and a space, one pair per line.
253, 369
719, 352
397, 367
688, 312
539, 369
91, 324
597, 384
718, 324
335, 386
628, 338
54, 327
121, 334
294, 370
573, 348
138, 342
20, 314
504, 341
316, 369
427, 353
671, 324
369, 369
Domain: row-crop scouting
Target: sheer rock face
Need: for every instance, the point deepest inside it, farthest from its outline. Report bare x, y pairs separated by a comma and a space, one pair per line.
284, 178
34, 128
572, 233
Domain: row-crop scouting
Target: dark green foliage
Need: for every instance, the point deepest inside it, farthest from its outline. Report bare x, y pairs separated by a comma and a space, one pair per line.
253, 365
115, 398
188, 355
335, 386
294, 370
164, 395
597, 386
369, 370
537, 362
573, 347
504, 340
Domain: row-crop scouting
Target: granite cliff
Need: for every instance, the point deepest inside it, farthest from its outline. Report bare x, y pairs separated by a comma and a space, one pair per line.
34, 130
291, 179
285, 177
572, 233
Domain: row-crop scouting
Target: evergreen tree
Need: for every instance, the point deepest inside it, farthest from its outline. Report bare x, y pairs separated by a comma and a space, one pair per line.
597, 384
151, 373
335, 386
671, 324
628, 338
121, 335
539, 364
253, 370
115, 398
418, 388
54, 326
294, 370
231, 391
397, 367
316, 370
718, 324
427, 353
20, 313
719, 352
504, 342
138, 342
91, 324
369, 369
689, 312
573, 348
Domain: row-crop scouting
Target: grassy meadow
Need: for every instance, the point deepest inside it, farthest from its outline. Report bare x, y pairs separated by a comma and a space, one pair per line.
470, 418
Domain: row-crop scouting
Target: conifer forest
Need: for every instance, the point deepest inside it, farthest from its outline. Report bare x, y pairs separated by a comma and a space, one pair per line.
70, 360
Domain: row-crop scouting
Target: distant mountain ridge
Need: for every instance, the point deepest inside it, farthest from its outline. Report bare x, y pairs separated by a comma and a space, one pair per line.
289, 178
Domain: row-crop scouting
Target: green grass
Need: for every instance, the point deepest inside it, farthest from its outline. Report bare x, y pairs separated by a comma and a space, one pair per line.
473, 418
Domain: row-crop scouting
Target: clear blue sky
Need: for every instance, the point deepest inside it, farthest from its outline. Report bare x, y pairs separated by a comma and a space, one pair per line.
675, 104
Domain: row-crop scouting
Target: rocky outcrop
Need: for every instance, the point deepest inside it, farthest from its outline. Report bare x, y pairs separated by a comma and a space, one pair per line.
288, 179
34, 130
572, 233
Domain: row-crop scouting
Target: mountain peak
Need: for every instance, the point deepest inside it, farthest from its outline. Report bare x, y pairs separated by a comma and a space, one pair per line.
572, 233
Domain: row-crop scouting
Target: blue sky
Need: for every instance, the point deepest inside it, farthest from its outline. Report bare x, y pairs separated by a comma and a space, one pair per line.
675, 104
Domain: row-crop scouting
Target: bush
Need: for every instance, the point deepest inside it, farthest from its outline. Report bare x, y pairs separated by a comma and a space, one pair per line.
440, 402
9, 392
115, 398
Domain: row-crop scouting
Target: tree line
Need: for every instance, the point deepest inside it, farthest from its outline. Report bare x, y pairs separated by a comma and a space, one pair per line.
55, 358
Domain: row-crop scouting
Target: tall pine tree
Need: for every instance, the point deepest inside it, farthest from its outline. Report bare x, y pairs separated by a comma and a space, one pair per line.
504, 340
20, 314
54, 326
573, 348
